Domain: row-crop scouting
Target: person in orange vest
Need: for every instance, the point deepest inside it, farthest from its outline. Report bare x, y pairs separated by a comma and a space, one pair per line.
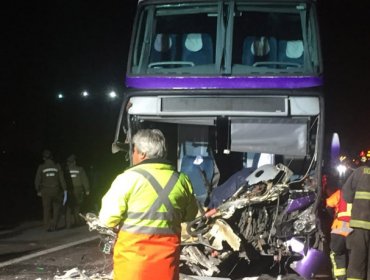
148, 201
339, 231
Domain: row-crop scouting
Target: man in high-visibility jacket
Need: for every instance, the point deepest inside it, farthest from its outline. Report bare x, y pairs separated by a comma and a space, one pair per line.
356, 190
149, 201
339, 231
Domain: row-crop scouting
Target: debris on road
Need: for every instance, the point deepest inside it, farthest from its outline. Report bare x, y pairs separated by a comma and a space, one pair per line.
77, 274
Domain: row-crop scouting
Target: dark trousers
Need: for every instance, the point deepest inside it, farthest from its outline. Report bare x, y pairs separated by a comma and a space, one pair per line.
359, 262
73, 208
51, 204
338, 255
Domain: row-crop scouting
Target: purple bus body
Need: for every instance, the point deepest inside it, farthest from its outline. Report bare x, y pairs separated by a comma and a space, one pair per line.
300, 203
176, 82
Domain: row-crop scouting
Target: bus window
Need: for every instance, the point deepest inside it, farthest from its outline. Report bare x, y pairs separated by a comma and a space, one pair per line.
268, 40
176, 39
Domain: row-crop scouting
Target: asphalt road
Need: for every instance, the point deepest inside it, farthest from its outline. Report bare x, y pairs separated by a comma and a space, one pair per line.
83, 261
31, 253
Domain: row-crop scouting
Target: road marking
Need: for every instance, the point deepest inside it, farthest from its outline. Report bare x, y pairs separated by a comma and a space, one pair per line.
47, 251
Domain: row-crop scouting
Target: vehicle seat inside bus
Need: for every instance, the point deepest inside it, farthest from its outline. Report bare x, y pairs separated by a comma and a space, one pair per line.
259, 49
200, 174
163, 48
197, 48
290, 51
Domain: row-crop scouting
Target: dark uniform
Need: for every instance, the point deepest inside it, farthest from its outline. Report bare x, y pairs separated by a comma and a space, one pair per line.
79, 187
50, 184
356, 190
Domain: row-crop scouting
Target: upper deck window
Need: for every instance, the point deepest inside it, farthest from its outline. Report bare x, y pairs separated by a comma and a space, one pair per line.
224, 38
267, 39
177, 38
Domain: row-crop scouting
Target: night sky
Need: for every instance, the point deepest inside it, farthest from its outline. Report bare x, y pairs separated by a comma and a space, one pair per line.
345, 32
51, 47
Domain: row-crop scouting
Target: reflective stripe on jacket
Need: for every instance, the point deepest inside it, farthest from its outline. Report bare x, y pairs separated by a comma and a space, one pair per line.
49, 175
79, 178
356, 190
149, 198
361, 210
342, 213
344, 209
151, 220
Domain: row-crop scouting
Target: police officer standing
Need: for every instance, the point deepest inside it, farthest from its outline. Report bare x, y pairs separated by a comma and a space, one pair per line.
50, 184
79, 188
356, 190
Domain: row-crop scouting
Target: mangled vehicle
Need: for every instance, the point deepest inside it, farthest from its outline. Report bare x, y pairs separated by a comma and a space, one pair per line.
269, 219
258, 212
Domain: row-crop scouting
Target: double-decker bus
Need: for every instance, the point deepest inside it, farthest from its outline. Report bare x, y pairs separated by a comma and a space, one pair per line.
236, 87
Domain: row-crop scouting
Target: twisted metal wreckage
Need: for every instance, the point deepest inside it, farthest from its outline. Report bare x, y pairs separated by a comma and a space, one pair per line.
270, 215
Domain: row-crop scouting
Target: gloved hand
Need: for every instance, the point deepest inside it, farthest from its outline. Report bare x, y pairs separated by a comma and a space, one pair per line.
65, 198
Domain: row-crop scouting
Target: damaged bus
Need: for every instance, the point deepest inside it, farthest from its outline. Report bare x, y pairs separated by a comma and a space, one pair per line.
236, 87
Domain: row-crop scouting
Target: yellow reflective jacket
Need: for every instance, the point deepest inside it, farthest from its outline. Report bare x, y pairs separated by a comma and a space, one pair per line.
151, 197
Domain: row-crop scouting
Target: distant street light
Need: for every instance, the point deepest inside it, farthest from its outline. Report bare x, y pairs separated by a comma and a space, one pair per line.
60, 96
85, 94
112, 95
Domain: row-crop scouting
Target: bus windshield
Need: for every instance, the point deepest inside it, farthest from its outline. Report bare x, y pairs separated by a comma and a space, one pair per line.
230, 38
